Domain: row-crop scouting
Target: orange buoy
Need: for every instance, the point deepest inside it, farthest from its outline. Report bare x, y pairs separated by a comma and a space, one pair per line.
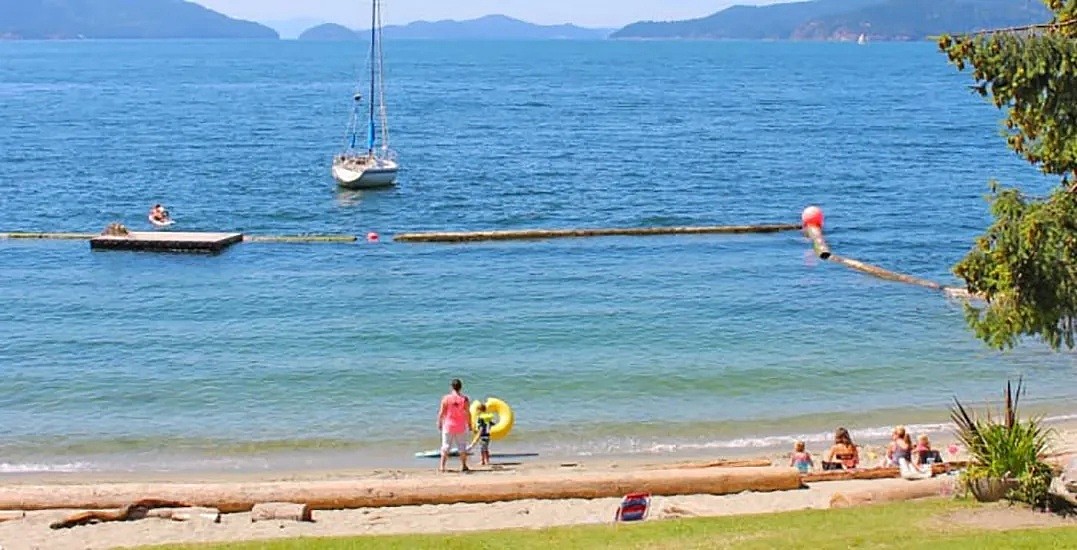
812, 217
372, 237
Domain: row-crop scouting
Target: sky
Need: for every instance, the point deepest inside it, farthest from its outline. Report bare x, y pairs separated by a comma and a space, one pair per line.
591, 13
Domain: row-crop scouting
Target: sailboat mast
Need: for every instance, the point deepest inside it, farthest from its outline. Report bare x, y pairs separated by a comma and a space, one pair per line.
373, 70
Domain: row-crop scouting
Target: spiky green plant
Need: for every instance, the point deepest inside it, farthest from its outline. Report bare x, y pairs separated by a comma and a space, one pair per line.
1006, 447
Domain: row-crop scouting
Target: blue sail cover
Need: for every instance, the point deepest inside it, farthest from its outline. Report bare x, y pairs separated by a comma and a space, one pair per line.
370, 137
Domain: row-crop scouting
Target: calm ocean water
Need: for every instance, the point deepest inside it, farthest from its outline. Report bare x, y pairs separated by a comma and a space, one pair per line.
274, 356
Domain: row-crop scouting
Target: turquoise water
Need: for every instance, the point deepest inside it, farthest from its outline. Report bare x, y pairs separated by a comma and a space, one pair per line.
277, 356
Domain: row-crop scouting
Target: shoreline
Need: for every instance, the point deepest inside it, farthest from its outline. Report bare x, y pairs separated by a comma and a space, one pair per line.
312, 464
32, 531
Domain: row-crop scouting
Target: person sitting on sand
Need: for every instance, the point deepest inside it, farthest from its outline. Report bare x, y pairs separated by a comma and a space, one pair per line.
454, 422
484, 422
801, 459
924, 454
900, 447
843, 454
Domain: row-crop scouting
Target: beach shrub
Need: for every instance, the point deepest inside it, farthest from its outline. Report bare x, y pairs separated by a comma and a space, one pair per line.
1002, 446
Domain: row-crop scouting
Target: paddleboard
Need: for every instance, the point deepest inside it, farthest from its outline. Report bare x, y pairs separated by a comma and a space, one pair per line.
474, 452
435, 453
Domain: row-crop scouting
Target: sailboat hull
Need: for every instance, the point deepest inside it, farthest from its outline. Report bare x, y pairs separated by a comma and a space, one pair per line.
380, 174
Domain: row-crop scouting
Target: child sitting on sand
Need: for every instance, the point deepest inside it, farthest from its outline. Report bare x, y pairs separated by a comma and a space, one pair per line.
484, 422
801, 459
924, 454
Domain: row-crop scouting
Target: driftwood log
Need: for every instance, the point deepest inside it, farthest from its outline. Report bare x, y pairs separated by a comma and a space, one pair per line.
13, 515
532, 234
815, 233
211, 515
287, 511
910, 490
869, 473
131, 512
723, 463
340, 494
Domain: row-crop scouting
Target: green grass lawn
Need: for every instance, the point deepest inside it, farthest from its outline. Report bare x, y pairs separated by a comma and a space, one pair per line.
917, 525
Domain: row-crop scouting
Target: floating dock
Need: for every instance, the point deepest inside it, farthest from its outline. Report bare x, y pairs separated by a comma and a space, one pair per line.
165, 241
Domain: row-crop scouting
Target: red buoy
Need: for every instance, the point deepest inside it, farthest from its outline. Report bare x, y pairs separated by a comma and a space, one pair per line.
812, 217
372, 237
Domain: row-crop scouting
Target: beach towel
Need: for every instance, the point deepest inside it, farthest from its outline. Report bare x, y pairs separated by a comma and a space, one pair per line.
911, 472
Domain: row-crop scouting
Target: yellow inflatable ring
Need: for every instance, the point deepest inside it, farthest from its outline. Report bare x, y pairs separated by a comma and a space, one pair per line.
499, 409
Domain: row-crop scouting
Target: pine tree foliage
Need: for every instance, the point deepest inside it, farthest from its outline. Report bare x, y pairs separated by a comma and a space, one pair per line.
1025, 264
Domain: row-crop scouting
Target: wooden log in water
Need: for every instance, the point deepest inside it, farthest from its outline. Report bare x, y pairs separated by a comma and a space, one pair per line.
49, 236
910, 490
534, 234
815, 233
368, 493
962, 294
300, 239
287, 511
885, 274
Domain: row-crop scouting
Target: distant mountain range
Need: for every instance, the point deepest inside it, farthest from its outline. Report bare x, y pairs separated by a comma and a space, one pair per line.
845, 20
812, 20
491, 27
69, 19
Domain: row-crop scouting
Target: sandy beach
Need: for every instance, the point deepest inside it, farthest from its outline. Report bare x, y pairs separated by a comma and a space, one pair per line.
33, 532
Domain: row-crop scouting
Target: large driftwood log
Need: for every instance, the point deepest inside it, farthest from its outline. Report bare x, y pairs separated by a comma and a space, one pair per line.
531, 234
131, 512
911, 490
368, 493
211, 515
815, 233
288, 511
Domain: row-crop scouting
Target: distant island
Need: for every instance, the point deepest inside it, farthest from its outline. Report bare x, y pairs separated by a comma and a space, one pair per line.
845, 20
878, 20
491, 27
90, 19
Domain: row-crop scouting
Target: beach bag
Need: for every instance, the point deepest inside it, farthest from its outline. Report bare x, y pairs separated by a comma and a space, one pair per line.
634, 507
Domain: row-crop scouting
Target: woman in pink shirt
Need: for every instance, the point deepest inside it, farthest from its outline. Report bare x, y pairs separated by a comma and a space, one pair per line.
454, 423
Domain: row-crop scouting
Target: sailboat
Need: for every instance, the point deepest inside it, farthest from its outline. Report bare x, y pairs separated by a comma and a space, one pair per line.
375, 165
862, 40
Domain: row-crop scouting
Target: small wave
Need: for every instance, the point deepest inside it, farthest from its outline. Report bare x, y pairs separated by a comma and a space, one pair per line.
778, 442
1060, 418
881, 432
32, 468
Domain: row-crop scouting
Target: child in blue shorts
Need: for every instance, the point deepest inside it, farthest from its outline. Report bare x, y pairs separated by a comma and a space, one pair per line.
484, 422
